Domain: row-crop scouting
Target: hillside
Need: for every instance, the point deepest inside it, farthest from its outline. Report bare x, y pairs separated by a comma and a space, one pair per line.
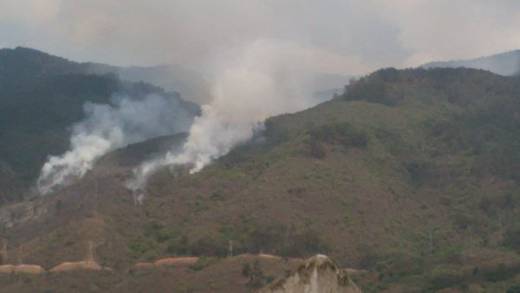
507, 63
411, 174
41, 97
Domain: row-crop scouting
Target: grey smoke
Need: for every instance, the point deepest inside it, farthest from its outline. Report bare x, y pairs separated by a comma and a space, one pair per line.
253, 82
108, 127
353, 36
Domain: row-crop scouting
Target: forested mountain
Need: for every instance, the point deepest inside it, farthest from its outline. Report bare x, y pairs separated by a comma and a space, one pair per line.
41, 97
410, 174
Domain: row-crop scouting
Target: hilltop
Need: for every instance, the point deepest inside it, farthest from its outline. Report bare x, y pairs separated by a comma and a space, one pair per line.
507, 63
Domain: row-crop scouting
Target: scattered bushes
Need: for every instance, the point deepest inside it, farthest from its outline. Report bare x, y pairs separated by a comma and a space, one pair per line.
143, 248
496, 203
445, 277
274, 133
316, 149
501, 272
371, 89
343, 134
281, 240
178, 246
512, 237
203, 262
255, 275
158, 239
209, 246
420, 172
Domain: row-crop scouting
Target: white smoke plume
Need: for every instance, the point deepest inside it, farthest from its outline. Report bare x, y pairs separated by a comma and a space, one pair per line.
108, 127
252, 83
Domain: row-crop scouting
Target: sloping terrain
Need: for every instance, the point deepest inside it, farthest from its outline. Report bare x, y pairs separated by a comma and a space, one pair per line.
41, 97
411, 174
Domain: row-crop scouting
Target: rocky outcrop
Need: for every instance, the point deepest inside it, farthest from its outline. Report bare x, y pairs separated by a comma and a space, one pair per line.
318, 274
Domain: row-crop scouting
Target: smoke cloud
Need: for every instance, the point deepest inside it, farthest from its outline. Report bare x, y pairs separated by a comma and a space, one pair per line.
108, 127
361, 35
252, 82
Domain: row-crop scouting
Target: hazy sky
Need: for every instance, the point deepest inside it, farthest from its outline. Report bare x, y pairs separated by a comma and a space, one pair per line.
340, 36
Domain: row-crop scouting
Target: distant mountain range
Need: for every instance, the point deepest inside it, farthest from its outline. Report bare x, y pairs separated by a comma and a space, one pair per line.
507, 63
190, 84
194, 86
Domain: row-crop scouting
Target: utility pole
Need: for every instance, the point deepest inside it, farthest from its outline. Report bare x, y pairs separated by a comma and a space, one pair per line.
90, 251
3, 254
431, 241
96, 196
230, 248
19, 252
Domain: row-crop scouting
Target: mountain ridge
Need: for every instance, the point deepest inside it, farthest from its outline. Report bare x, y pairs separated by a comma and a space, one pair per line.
42, 96
507, 63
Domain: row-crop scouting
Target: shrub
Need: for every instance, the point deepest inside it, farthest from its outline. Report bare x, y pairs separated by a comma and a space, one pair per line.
276, 239
444, 277
209, 246
274, 133
304, 244
158, 232
142, 248
493, 204
512, 237
178, 246
420, 172
256, 276
202, 263
316, 149
368, 89
342, 133
500, 273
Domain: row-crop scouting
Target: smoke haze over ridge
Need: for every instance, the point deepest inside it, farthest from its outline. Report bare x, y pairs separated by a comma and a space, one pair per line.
349, 36
108, 127
254, 82
331, 36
